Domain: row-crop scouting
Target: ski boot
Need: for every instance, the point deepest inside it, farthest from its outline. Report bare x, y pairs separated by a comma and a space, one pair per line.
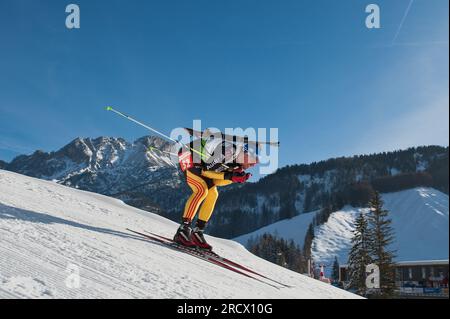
184, 235
198, 238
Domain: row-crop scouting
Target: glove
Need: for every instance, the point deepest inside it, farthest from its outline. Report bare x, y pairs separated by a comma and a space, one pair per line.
239, 169
239, 176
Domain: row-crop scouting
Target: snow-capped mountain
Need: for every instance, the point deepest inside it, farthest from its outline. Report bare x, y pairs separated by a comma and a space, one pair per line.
60, 242
110, 166
420, 219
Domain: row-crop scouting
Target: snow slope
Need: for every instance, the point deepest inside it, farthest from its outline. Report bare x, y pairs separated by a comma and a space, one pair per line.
420, 218
294, 228
333, 239
49, 233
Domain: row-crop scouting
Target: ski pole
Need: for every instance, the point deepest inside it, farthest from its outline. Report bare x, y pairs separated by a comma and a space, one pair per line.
110, 108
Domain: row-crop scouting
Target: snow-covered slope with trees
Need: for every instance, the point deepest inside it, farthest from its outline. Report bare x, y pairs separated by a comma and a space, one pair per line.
151, 180
49, 232
296, 189
420, 219
294, 228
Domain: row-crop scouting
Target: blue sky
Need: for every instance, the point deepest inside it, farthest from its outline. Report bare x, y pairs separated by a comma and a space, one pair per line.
309, 68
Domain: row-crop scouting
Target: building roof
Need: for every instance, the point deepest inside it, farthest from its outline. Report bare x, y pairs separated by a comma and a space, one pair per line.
415, 263
422, 262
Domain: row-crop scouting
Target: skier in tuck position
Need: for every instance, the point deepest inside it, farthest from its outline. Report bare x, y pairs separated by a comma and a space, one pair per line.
207, 164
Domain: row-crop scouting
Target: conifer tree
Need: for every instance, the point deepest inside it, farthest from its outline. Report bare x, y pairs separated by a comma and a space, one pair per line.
359, 256
335, 270
382, 237
309, 237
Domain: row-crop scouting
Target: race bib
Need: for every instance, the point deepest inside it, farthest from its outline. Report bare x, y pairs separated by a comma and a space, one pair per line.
186, 161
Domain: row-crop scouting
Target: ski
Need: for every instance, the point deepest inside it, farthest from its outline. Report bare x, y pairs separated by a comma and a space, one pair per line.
199, 254
225, 260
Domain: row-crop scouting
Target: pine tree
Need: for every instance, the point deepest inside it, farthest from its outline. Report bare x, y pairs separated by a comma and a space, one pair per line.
359, 256
309, 238
279, 251
335, 271
382, 236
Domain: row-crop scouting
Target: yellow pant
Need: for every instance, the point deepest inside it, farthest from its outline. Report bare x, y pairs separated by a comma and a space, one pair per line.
201, 194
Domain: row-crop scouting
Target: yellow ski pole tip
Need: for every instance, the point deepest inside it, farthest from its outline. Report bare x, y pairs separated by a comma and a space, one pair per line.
108, 108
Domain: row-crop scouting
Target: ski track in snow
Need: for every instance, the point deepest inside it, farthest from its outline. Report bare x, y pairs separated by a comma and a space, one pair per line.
47, 230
